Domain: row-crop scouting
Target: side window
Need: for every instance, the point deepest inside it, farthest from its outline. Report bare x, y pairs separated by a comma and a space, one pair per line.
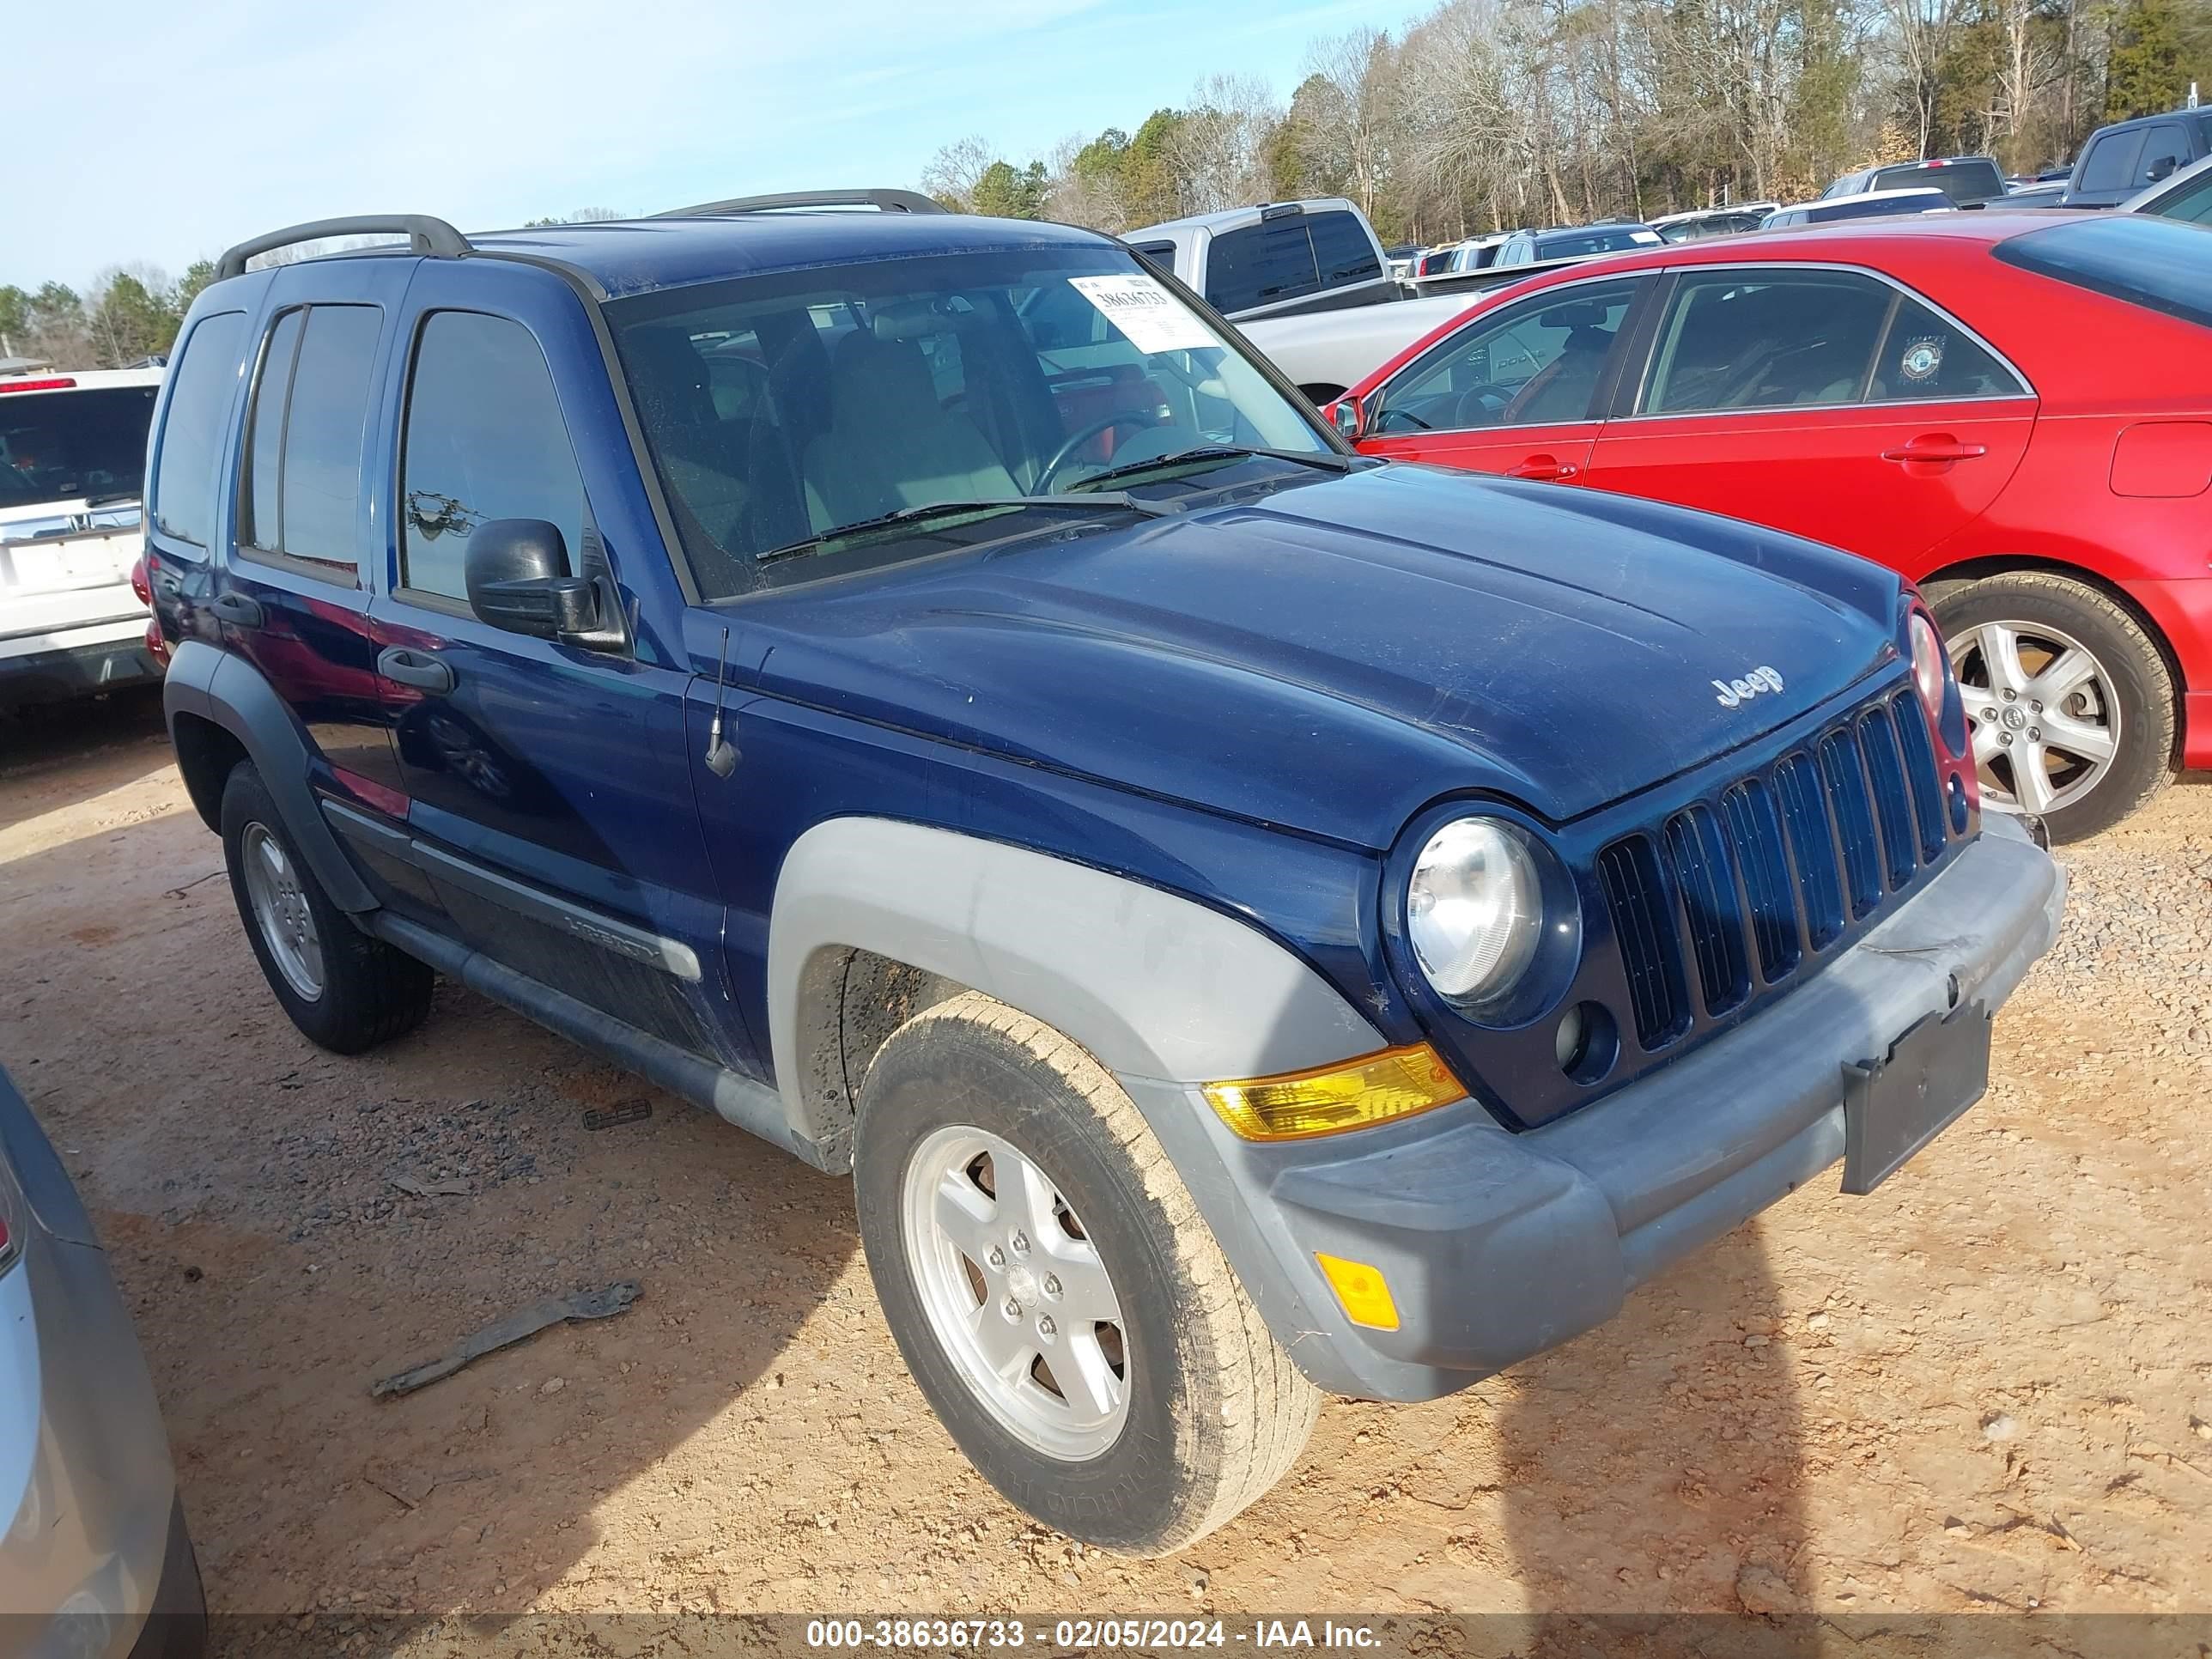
1535, 362
484, 441
2192, 202
1772, 340
1342, 249
2165, 149
2111, 163
1260, 264
1926, 355
192, 429
301, 497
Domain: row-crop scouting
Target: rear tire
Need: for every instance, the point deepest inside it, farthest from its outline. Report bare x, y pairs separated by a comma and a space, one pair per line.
1197, 1411
2124, 709
345, 991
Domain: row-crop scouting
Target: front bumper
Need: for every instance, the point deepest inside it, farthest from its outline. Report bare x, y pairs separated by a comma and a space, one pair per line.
1498, 1246
93, 1557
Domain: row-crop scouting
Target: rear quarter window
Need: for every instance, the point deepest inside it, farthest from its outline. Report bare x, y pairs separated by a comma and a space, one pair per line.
1962, 181
194, 425
2143, 259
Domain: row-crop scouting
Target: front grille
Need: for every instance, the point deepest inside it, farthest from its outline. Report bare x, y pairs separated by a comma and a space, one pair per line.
1776, 870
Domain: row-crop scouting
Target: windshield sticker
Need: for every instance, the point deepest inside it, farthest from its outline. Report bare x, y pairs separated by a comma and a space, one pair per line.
1922, 359
1150, 318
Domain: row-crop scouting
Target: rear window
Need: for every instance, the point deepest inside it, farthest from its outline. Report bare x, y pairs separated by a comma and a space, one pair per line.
85, 445
1962, 181
1342, 249
1598, 241
1260, 264
2155, 262
192, 430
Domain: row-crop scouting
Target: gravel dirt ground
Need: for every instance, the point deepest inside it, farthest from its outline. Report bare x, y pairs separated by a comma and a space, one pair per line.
1987, 1386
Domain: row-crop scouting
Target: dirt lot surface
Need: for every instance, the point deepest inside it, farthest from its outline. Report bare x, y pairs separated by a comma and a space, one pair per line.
1988, 1385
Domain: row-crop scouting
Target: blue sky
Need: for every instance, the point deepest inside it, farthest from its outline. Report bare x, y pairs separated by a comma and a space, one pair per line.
205, 124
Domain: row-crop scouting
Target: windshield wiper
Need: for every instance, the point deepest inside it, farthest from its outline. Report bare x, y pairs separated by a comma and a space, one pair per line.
906, 517
1327, 459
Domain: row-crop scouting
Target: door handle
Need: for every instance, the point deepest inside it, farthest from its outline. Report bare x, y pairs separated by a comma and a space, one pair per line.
1937, 447
416, 668
237, 608
1544, 469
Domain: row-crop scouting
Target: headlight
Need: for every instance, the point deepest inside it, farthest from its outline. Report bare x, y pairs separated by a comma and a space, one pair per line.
1474, 910
1930, 666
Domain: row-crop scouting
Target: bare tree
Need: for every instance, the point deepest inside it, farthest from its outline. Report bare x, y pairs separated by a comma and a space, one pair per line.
1220, 148
953, 172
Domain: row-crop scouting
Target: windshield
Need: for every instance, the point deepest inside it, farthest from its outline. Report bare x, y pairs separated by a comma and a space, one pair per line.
74, 445
781, 409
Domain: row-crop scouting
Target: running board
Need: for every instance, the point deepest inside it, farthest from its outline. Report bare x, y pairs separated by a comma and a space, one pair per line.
753, 1107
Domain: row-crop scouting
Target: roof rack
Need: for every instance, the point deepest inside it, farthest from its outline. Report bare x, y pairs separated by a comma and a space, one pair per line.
424, 235
884, 201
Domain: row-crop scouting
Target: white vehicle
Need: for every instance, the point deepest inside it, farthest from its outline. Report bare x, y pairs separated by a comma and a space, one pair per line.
1330, 351
72, 465
1274, 260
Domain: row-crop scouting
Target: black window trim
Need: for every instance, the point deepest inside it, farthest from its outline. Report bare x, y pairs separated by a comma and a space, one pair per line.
149, 503
426, 599
1630, 405
349, 576
1608, 378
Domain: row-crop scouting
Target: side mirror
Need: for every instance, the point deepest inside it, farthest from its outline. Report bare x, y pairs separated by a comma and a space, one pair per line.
2161, 169
517, 572
1348, 418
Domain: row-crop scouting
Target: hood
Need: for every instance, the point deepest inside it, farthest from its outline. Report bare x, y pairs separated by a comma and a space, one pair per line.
1337, 656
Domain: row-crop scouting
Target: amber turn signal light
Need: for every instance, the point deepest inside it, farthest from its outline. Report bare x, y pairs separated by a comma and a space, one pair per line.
1354, 1094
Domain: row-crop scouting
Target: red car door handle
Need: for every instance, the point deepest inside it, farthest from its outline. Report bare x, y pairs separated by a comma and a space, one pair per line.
1545, 469
1935, 447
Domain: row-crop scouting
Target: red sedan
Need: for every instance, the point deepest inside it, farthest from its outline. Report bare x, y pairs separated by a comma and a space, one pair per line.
2014, 409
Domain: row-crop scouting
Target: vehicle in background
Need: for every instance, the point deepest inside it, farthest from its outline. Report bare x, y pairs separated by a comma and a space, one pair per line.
1477, 252
1435, 260
1967, 180
1878, 387
1273, 260
2035, 196
2129, 157
1698, 223
1874, 204
837, 643
94, 1556
2186, 195
1560, 242
1400, 260
1323, 353
72, 466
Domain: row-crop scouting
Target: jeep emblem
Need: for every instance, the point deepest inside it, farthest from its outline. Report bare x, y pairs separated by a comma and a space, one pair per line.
1735, 692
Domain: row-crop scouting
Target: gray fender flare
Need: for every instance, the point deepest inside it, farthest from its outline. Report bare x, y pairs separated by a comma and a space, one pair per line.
229, 692
1152, 984
1164, 991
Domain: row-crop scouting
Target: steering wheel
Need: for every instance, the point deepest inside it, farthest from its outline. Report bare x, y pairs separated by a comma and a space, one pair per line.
1060, 456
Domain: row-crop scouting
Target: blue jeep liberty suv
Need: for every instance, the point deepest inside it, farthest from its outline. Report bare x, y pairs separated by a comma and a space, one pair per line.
1252, 921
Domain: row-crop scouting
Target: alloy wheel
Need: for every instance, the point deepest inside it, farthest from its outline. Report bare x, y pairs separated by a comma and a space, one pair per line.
1015, 1292
281, 910
2045, 722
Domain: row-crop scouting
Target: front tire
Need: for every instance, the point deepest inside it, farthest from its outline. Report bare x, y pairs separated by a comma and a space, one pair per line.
1055, 1291
345, 991
2068, 700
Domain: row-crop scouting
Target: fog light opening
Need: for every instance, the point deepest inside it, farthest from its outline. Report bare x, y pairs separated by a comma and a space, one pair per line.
1587, 1043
